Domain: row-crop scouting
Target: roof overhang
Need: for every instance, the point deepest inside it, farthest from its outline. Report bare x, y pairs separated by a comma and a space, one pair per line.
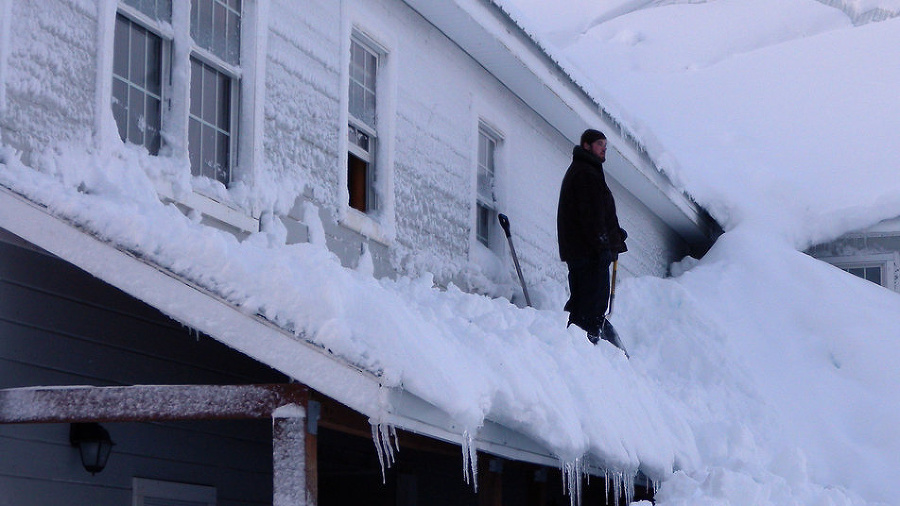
498, 44
252, 335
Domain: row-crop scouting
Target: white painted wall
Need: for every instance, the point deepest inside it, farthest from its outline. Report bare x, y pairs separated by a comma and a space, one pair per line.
433, 96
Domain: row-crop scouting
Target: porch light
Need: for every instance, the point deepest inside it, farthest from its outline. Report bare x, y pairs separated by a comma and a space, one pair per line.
93, 443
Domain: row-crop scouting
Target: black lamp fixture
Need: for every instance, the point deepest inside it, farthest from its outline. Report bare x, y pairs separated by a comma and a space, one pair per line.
93, 443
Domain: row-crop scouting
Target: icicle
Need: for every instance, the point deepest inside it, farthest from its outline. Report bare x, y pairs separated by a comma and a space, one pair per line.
381, 436
470, 460
572, 473
629, 487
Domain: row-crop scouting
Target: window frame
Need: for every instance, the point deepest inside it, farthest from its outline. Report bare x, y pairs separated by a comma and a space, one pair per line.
211, 199
162, 30
369, 156
360, 23
234, 74
494, 139
887, 262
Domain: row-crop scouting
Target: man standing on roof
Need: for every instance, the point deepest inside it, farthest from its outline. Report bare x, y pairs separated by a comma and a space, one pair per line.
590, 237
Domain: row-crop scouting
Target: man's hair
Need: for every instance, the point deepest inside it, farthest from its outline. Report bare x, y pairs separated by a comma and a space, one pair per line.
590, 136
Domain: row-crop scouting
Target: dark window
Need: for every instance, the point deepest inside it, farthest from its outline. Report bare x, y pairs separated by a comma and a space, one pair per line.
137, 84
209, 123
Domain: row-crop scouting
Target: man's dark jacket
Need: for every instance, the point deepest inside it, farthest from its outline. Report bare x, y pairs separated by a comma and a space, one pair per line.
586, 221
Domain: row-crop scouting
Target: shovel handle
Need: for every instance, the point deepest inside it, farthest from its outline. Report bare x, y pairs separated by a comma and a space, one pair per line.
612, 289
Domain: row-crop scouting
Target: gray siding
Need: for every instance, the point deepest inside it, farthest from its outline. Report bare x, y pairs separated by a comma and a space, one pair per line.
60, 326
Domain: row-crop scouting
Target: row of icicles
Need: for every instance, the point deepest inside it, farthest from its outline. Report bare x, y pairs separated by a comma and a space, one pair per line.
573, 473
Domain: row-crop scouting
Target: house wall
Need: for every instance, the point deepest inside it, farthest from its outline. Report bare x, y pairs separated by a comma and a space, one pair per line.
441, 95
865, 249
50, 73
435, 97
60, 326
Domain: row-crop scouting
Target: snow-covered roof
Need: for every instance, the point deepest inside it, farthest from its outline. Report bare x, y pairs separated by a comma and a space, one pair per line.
496, 41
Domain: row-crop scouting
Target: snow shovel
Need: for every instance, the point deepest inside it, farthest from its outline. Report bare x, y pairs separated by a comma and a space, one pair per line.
504, 222
608, 332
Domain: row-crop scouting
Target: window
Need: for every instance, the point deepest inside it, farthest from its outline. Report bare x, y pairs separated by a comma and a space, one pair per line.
215, 61
362, 127
166, 493
137, 84
142, 77
870, 273
485, 203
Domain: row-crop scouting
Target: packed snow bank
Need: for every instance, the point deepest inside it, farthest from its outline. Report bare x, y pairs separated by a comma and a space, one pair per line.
801, 357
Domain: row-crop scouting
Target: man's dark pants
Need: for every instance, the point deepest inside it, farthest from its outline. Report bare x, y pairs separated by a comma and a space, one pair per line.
589, 287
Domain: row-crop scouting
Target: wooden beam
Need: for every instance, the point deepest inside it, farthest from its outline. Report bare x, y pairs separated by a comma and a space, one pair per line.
146, 403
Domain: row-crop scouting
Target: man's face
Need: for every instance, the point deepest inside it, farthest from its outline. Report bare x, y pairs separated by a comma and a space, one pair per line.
598, 148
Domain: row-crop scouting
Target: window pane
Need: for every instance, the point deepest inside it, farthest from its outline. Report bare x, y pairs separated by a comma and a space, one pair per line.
194, 147
154, 65
120, 107
873, 274
137, 84
196, 87
152, 119
210, 87
203, 36
357, 103
224, 102
156, 9
362, 83
135, 116
857, 271
195, 18
219, 29
233, 52
483, 223
369, 109
370, 71
222, 148
208, 150
121, 49
137, 72
216, 27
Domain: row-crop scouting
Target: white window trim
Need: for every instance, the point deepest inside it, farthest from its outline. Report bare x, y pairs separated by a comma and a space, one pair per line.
143, 488
247, 103
887, 261
366, 26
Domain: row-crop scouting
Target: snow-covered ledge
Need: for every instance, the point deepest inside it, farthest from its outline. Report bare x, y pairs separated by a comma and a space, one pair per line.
218, 213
